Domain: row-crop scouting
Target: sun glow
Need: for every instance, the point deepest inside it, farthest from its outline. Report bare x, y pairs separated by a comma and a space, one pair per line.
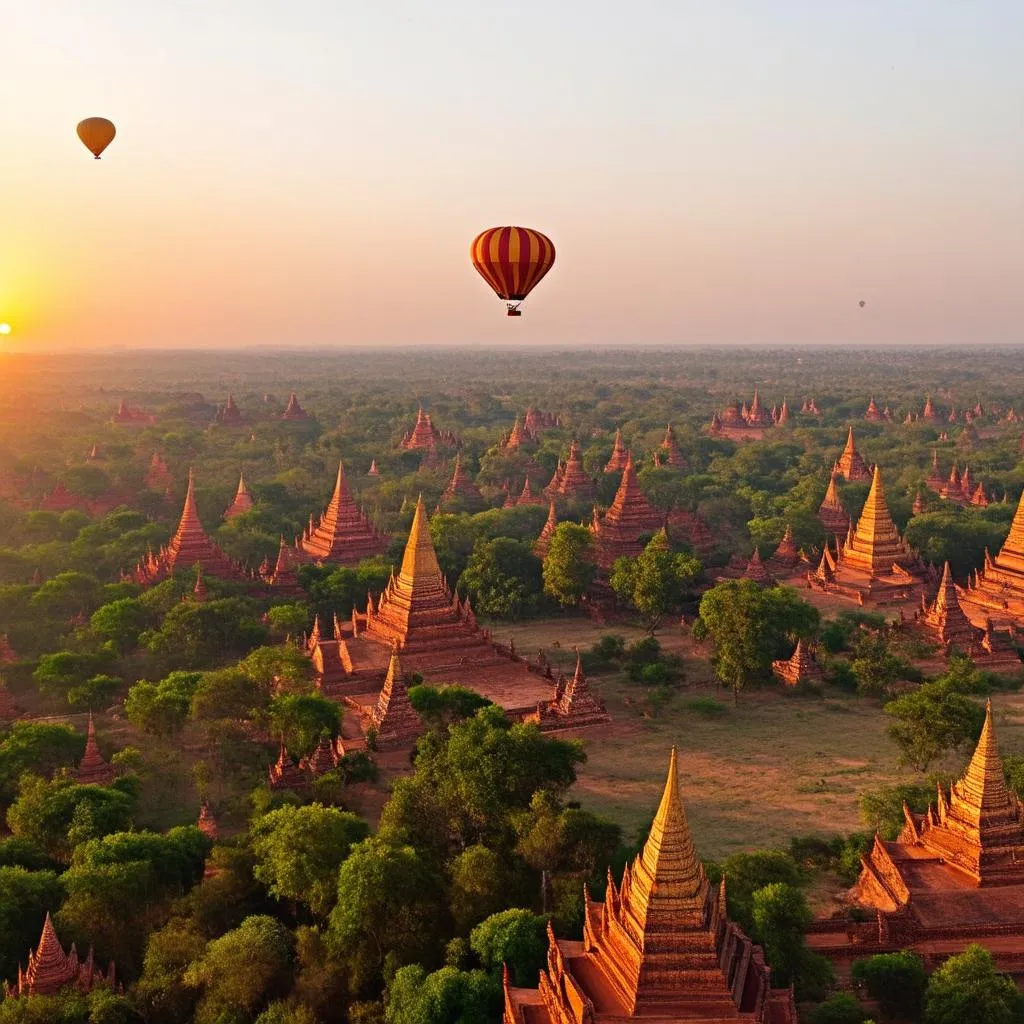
5, 328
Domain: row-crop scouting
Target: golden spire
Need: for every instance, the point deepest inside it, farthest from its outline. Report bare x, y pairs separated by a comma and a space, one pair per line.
420, 559
667, 874
982, 790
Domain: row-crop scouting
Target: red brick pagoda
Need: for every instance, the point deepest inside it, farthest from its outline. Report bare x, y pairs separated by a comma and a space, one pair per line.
542, 544
800, 667
831, 514
394, 718
158, 476
573, 706
294, 411
92, 769
229, 415
50, 969
786, 556
573, 483
188, 547
462, 493
996, 590
537, 421
284, 773
851, 467
373, 470
527, 496
660, 947
873, 414
757, 571
343, 535
671, 455
425, 437
690, 528
130, 416
517, 437
207, 823
242, 501
743, 423
283, 578
930, 414
629, 521
617, 462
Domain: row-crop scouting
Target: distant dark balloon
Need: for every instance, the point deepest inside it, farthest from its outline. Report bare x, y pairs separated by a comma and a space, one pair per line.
96, 133
862, 303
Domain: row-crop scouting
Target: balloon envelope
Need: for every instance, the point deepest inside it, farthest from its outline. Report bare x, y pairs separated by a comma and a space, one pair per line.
512, 260
97, 133
862, 303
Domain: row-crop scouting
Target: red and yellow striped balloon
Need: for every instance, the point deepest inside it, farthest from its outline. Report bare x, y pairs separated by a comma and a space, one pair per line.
512, 260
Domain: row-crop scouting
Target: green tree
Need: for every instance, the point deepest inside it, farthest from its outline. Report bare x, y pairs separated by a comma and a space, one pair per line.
37, 746
299, 850
655, 582
193, 635
281, 669
781, 918
503, 578
842, 1008
874, 665
569, 566
931, 721
302, 719
745, 873
967, 989
441, 706
121, 622
25, 899
64, 670
288, 619
162, 994
448, 996
161, 709
514, 937
896, 981
479, 886
94, 692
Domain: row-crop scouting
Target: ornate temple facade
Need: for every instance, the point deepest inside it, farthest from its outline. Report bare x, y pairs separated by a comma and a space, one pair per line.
189, 546
517, 437
660, 947
50, 969
874, 563
283, 578
343, 535
462, 493
629, 520
995, 592
850, 466
242, 501
425, 437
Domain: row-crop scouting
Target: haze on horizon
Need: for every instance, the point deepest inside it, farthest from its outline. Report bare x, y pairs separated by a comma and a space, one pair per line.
312, 174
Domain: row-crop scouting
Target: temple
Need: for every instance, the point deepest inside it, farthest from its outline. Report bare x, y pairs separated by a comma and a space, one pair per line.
373, 470
425, 437
229, 415
50, 969
573, 483
875, 562
158, 476
929, 413
242, 501
92, 769
517, 436
574, 704
528, 497
786, 557
542, 544
284, 773
743, 423
207, 823
954, 876
996, 590
294, 411
462, 494
188, 547
343, 535
800, 667
284, 578
660, 947
873, 414
757, 571
671, 455
394, 717
619, 457
131, 416
629, 522
944, 622
537, 421
690, 528
851, 467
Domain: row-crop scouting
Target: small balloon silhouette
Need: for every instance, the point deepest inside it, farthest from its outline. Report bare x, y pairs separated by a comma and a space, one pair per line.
862, 303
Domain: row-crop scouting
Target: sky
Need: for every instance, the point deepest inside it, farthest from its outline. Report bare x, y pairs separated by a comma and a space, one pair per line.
311, 172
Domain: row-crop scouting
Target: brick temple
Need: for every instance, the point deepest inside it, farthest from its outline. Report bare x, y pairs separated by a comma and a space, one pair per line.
343, 535
996, 591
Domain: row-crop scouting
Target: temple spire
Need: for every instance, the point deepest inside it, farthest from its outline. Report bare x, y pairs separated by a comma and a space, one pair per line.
983, 787
420, 559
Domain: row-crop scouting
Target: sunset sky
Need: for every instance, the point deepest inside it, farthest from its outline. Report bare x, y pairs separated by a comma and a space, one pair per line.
311, 172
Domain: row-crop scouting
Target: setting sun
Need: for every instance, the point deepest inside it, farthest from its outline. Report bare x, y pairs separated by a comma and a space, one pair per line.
5, 328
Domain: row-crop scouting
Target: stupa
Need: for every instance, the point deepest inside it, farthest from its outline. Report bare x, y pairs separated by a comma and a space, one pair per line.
284, 773
373, 470
462, 493
394, 717
294, 411
424, 436
743, 423
873, 414
628, 523
199, 591
660, 947
207, 823
573, 706
573, 483
851, 467
343, 535
284, 578
671, 455
229, 415
50, 969
537, 421
800, 667
92, 769
543, 543
188, 547
691, 529
617, 462
158, 476
418, 612
831, 514
242, 501
326, 757
516, 437
95, 454
996, 590
527, 496
782, 420
952, 489
929, 413
131, 416
786, 555
757, 572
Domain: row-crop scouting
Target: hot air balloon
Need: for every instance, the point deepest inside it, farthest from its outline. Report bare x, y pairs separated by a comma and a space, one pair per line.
862, 303
512, 260
97, 133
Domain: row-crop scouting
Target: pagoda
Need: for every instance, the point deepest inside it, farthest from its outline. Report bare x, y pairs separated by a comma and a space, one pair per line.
418, 612
325, 758
873, 414
158, 476
810, 407
690, 528
283, 578
343, 535
831, 513
527, 497
800, 667
394, 717
229, 415
294, 411
574, 483
929, 414
874, 562
50, 969
573, 706
782, 420
373, 470
670, 451
660, 947
617, 462
199, 591
333, 672
516, 437
952, 489
786, 555
424, 436
742, 423
189, 546
556, 479
92, 769
629, 521
284, 773
461, 492
242, 501
851, 466
537, 421
935, 480
757, 415
757, 572
207, 823
7, 652
131, 416
979, 497
543, 543
996, 590
95, 455
920, 505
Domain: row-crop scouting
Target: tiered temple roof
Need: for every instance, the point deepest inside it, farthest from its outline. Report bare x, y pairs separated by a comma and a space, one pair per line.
782, 419
670, 452
417, 610
344, 534
996, 590
831, 514
189, 546
630, 519
461, 491
229, 415
92, 769
325, 757
617, 463
394, 717
294, 411
242, 501
659, 947
850, 465
573, 706
283, 577
543, 542
929, 413
952, 488
158, 476
800, 667
50, 969
537, 421
573, 482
